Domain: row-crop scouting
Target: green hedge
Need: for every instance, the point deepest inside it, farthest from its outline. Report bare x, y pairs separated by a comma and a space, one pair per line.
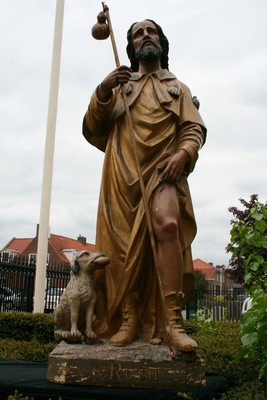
26, 326
25, 336
32, 350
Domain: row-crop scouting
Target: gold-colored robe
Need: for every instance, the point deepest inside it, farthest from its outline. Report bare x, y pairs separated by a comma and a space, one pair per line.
165, 119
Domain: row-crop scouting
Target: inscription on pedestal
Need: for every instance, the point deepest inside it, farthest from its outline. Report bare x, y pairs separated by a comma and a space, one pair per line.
119, 374
116, 373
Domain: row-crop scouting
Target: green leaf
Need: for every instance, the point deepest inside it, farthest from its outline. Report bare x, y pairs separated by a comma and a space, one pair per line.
256, 215
254, 266
264, 212
261, 226
262, 330
259, 259
249, 339
262, 310
248, 278
263, 372
264, 350
183, 396
243, 353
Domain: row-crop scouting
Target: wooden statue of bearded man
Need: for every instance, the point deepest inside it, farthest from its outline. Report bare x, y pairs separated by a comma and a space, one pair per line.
169, 132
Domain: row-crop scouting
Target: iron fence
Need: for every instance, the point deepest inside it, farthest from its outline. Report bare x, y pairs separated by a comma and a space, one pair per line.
17, 277
217, 304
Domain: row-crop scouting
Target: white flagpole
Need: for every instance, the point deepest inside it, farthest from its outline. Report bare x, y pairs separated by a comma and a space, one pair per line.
40, 278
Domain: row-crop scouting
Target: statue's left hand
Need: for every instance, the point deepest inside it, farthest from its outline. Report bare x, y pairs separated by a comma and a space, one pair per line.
171, 169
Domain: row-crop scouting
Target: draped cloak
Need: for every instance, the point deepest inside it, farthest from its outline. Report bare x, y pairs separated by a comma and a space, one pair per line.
164, 119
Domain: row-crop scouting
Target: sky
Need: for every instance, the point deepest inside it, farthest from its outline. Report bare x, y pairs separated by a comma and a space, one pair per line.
218, 48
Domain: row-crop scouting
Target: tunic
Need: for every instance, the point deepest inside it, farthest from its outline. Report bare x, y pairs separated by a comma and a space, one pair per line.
164, 119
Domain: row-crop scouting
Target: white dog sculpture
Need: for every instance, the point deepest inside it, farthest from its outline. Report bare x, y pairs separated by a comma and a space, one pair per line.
73, 315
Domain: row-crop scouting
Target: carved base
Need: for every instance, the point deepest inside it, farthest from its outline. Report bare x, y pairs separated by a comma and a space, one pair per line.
139, 365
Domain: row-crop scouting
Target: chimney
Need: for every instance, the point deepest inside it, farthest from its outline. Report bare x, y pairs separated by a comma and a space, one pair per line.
82, 240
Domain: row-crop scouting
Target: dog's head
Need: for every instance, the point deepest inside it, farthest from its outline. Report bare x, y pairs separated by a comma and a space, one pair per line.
88, 261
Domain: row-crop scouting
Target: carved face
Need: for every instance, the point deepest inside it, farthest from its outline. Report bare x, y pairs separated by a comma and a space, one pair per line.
144, 34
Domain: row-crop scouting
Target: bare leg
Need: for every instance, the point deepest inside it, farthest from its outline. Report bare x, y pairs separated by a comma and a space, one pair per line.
165, 215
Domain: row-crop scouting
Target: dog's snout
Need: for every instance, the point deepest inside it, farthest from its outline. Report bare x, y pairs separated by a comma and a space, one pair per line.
100, 254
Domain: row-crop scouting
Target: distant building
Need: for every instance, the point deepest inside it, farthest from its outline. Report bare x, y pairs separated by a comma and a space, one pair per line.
215, 275
60, 249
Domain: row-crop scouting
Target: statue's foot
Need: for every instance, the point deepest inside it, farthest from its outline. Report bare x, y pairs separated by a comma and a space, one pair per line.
181, 341
123, 337
128, 329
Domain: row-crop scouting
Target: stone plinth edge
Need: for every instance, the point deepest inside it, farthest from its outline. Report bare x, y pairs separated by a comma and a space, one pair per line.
139, 365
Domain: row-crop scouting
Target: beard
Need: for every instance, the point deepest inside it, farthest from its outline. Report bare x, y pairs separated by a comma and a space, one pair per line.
149, 54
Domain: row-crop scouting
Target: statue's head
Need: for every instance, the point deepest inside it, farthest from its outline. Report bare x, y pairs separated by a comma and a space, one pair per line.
163, 49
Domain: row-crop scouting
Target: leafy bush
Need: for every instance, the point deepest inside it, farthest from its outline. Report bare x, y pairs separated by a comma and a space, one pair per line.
203, 317
192, 326
219, 346
249, 255
19, 396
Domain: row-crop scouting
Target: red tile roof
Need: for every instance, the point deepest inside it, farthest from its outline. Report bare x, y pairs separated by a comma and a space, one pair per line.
56, 245
61, 242
18, 245
206, 268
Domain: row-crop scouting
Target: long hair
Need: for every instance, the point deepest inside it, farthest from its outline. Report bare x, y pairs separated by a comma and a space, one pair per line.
163, 42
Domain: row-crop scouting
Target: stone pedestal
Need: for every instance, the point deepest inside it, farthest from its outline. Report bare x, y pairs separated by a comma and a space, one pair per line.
139, 365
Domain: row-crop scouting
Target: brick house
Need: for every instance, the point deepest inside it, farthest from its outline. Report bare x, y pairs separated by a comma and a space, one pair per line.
215, 275
60, 248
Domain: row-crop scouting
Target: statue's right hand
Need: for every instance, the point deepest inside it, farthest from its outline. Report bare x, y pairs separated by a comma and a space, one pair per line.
117, 77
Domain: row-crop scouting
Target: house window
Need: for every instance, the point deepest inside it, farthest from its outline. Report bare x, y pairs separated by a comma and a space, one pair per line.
219, 276
32, 258
8, 255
